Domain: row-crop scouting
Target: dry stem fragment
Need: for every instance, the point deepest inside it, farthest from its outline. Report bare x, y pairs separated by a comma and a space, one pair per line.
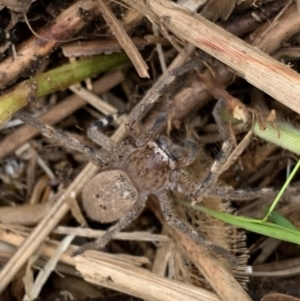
85, 48
123, 38
138, 282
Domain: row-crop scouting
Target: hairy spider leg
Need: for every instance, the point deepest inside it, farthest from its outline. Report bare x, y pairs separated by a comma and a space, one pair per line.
227, 147
171, 218
63, 139
123, 222
95, 134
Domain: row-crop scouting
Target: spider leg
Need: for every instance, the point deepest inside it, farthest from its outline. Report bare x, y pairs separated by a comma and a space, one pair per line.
171, 218
95, 134
189, 187
112, 150
123, 222
227, 147
63, 139
183, 155
142, 133
192, 152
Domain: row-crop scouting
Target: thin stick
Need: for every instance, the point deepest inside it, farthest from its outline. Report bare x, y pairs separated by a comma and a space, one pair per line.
124, 40
49, 267
136, 236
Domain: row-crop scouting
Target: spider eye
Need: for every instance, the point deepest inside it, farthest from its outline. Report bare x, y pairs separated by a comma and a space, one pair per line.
191, 144
175, 154
162, 141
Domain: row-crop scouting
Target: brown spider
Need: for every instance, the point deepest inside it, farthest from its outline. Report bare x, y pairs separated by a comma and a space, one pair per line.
142, 165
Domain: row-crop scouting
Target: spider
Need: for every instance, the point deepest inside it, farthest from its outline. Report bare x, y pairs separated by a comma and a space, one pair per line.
143, 165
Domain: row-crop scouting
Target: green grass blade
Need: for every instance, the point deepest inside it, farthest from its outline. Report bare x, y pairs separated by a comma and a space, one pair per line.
254, 225
289, 135
280, 220
282, 190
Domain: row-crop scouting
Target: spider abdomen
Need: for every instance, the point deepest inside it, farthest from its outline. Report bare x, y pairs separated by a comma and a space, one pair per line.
109, 196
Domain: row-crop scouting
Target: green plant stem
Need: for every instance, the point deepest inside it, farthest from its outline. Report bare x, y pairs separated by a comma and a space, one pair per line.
57, 79
285, 136
283, 188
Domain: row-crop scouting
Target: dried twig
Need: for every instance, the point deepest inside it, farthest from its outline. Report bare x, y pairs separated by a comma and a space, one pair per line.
137, 236
86, 48
162, 257
124, 40
49, 267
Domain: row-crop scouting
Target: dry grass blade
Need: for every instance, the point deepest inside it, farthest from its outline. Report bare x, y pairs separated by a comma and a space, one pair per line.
137, 281
23, 215
48, 268
256, 67
137, 236
238, 151
162, 257
94, 100
124, 40
98, 47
